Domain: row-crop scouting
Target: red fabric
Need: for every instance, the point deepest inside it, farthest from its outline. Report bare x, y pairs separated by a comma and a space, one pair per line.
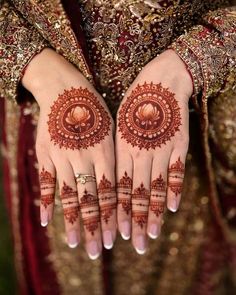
40, 277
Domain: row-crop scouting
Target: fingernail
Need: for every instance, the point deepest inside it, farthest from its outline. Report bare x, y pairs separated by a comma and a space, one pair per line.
140, 244
72, 239
44, 218
173, 206
153, 233
107, 239
125, 230
92, 249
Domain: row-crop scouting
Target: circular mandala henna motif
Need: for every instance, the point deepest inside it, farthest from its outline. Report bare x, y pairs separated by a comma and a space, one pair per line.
77, 120
149, 117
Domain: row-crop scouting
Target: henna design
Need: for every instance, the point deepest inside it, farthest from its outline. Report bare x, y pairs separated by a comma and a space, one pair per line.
158, 184
107, 197
71, 214
157, 207
47, 200
140, 198
87, 202
150, 116
176, 176
47, 182
69, 199
77, 120
124, 188
140, 218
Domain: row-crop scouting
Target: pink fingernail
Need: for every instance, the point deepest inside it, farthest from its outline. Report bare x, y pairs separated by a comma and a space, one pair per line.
125, 230
44, 218
153, 233
72, 239
93, 251
107, 239
140, 244
173, 206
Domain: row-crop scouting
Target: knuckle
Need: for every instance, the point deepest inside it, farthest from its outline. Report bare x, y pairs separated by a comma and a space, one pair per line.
40, 147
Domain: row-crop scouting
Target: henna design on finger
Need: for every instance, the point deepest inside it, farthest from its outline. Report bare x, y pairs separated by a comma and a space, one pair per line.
47, 200
124, 188
149, 117
77, 120
47, 183
176, 176
107, 198
140, 198
90, 211
157, 207
69, 199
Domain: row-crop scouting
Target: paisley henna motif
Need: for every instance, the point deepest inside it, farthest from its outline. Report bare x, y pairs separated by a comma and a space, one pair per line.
90, 211
77, 120
176, 176
47, 183
69, 199
107, 198
150, 116
140, 199
124, 188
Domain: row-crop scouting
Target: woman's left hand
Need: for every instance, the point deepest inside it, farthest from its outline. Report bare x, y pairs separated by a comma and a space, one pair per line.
151, 146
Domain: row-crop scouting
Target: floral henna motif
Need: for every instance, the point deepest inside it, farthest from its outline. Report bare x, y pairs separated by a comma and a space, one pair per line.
150, 116
69, 199
47, 182
107, 198
157, 207
124, 188
140, 198
47, 200
158, 187
77, 120
90, 211
176, 176
140, 218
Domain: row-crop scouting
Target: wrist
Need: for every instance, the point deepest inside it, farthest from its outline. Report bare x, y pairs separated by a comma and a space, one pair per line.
173, 69
45, 70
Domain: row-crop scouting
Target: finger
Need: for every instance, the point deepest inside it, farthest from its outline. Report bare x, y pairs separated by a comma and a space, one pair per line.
89, 207
70, 203
47, 183
175, 179
105, 176
158, 194
140, 203
124, 175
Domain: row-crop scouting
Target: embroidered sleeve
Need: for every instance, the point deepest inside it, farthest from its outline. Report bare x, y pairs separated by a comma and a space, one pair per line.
209, 52
19, 43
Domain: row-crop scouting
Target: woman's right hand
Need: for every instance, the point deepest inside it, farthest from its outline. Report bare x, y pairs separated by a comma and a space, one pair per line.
75, 135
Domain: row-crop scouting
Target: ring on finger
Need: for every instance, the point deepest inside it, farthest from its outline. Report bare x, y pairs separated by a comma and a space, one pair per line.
83, 178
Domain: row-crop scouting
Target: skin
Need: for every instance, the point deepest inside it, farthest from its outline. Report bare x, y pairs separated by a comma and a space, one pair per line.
46, 83
136, 168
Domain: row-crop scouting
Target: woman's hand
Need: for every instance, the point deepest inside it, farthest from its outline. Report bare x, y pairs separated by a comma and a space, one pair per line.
151, 145
74, 136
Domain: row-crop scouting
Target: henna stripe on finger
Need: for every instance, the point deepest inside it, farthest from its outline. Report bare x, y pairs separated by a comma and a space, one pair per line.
149, 117
124, 188
77, 120
158, 191
140, 198
69, 199
107, 198
47, 182
176, 177
90, 211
